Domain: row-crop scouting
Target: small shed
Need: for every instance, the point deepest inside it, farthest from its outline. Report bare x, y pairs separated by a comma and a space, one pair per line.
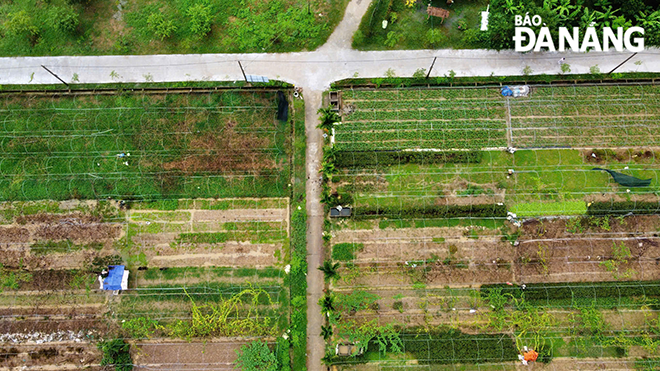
114, 279
340, 212
437, 12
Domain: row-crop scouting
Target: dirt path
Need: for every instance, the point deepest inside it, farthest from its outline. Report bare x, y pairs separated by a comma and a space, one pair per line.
315, 343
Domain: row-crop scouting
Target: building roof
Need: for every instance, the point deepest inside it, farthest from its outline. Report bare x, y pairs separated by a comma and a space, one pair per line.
438, 12
114, 279
336, 212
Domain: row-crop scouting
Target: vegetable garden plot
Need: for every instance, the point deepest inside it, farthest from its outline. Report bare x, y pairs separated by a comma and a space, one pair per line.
543, 182
142, 146
587, 116
206, 233
421, 119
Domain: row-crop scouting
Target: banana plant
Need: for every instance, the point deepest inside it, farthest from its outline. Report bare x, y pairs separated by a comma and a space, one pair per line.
329, 270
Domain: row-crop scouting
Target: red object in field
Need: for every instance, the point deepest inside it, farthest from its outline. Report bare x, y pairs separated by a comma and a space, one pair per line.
530, 356
509, 283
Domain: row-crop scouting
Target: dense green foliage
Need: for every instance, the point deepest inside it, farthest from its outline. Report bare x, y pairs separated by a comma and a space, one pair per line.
562, 13
620, 208
457, 347
116, 353
572, 294
355, 159
130, 146
61, 27
346, 251
446, 211
298, 281
410, 28
256, 356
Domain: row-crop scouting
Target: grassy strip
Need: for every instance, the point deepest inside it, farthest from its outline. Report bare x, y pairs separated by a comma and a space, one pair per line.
497, 80
581, 294
550, 208
199, 272
297, 279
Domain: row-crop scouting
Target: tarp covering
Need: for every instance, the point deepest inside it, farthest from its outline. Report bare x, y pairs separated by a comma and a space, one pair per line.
626, 180
507, 92
282, 107
115, 275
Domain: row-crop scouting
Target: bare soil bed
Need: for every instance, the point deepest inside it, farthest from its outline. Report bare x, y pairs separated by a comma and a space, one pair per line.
50, 356
546, 251
218, 354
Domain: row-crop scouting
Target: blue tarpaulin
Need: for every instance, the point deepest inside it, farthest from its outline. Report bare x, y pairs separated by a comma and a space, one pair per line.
506, 91
113, 281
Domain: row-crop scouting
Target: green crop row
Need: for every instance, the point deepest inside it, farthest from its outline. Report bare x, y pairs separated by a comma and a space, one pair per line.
619, 208
432, 211
429, 114
449, 144
578, 294
346, 159
428, 104
420, 125
417, 94
457, 347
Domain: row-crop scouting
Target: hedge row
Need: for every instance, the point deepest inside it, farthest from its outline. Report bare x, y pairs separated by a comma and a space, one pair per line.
446, 211
618, 208
582, 293
457, 347
355, 159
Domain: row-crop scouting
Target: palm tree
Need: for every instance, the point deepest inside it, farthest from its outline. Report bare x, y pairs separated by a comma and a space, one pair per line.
326, 332
327, 304
329, 269
328, 118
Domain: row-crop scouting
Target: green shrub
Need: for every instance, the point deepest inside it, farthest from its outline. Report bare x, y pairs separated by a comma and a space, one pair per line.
618, 208
200, 19
346, 251
351, 159
160, 26
116, 353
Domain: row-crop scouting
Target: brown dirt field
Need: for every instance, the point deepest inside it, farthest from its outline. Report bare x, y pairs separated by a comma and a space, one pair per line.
44, 324
172, 355
236, 254
227, 151
74, 219
21, 256
51, 280
50, 356
546, 252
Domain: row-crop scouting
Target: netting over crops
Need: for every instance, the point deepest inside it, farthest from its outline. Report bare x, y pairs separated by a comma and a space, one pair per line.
474, 252
424, 148
142, 146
